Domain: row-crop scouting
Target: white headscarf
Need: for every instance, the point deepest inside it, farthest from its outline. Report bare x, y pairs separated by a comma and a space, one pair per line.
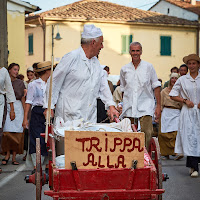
174, 75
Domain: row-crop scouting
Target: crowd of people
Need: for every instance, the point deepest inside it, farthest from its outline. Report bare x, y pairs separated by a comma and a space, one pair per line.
80, 89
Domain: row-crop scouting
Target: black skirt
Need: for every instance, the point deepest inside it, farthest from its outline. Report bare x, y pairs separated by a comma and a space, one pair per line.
193, 162
37, 126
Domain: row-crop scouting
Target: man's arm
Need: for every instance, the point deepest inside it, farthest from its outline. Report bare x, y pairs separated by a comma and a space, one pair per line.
158, 103
59, 75
189, 103
106, 97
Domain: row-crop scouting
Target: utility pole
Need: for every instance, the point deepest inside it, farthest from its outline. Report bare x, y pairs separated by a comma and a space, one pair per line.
3, 34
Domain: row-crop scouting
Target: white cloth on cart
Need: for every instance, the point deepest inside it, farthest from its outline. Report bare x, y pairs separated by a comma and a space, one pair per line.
79, 125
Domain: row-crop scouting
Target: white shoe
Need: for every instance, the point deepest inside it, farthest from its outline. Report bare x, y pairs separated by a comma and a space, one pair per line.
191, 170
195, 174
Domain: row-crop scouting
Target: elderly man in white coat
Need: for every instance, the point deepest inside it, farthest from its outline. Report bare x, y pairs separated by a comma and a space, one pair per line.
79, 80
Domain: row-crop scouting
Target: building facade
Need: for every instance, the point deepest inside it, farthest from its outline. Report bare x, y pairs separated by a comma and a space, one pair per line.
16, 11
165, 40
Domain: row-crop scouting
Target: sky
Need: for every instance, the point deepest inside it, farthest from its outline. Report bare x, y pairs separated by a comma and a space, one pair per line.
50, 4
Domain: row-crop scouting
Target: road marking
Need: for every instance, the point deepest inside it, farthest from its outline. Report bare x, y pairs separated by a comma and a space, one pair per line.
11, 176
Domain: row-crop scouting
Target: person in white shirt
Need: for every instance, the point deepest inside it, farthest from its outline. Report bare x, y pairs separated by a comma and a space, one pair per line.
6, 91
35, 99
79, 80
139, 84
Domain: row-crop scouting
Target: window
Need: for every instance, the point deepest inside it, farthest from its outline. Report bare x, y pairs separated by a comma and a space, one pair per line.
165, 45
30, 44
126, 40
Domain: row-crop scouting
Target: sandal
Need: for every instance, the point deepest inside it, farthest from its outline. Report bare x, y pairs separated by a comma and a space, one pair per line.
15, 162
178, 157
6, 161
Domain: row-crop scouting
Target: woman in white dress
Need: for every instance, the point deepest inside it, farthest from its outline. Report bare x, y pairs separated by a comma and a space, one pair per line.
6, 90
13, 137
187, 91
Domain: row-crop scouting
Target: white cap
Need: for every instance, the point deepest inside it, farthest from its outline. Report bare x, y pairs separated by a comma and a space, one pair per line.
103, 66
30, 69
91, 31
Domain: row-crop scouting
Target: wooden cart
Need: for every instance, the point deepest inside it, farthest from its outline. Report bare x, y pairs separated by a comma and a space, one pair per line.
101, 184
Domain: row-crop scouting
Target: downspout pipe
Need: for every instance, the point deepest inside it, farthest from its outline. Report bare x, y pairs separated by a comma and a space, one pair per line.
43, 24
197, 45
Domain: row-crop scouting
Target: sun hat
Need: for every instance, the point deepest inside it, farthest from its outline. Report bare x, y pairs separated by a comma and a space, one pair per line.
91, 31
191, 57
43, 66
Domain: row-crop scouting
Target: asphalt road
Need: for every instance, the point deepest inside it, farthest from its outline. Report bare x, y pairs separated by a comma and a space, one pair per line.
180, 186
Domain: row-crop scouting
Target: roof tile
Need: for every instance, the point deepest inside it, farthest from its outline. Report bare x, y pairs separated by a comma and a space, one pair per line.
186, 4
106, 11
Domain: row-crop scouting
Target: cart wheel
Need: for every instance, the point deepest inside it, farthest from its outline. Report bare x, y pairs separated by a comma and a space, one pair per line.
38, 170
154, 152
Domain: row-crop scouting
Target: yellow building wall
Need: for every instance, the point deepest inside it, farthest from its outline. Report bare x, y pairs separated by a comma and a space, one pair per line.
16, 41
71, 36
38, 41
183, 43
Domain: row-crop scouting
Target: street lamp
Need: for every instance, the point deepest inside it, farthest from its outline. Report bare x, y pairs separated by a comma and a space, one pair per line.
50, 88
57, 38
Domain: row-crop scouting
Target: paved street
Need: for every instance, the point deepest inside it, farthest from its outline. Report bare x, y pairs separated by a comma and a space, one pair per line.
180, 186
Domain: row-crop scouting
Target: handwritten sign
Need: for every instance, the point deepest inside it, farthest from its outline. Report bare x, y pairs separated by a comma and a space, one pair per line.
97, 150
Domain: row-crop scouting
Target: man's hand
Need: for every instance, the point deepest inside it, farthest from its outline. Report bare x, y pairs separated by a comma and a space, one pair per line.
12, 115
113, 113
189, 103
45, 113
119, 109
25, 123
157, 113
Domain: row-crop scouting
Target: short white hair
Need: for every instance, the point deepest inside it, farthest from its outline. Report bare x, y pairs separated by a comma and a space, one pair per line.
134, 44
89, 40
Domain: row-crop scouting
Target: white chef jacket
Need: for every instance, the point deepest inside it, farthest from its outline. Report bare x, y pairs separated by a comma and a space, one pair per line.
5, 88
188, 137
137, 85
36, 92
77, 83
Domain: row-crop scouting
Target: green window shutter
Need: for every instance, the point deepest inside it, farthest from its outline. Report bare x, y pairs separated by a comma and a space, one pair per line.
123, 43
30, 44
130, 39
126, 40
165, 45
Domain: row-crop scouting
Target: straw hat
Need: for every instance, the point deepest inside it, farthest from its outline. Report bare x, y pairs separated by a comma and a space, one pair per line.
191, 57
43, 66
